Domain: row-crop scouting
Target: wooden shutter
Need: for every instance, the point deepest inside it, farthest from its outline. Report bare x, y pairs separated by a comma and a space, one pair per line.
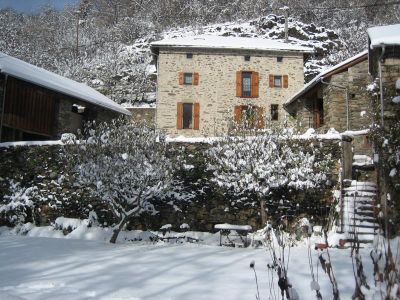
285, 81
238, 111
195, 78
238, 84
181, 74
179, 115
271, 80
260, 117
254, 85
196, 118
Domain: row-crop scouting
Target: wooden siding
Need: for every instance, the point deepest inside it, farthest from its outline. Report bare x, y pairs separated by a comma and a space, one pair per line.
29, 108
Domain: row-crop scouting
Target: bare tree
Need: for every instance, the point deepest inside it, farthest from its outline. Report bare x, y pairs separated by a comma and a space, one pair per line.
123, 164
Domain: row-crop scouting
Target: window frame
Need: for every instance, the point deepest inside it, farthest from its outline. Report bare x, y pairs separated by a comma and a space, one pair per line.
274, 112
280, 77
190, 125
246, 93
187, 75
250, 116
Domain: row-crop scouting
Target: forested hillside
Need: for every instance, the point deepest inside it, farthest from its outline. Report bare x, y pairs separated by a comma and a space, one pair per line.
105, 43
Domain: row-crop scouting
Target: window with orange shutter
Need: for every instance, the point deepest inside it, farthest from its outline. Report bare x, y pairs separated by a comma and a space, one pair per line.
249, 116
188, 116
247, 84
281, 81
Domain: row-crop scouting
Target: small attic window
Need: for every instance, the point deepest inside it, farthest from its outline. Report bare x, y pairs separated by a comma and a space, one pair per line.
189, 55
247, 58
279, 59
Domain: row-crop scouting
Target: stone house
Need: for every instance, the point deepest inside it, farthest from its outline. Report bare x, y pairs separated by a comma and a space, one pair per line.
207, 83
337, 98
36, 104
384, 68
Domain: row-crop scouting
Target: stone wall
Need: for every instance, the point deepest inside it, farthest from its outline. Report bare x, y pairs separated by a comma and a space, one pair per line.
216, 91
58, 195
355, 79
70, 122
146, 115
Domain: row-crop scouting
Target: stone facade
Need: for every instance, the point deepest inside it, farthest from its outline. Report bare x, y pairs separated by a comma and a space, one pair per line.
216, 90
146, 115
69, 121
353, 81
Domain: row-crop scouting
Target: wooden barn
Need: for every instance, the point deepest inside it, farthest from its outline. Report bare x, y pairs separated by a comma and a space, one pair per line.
36, 104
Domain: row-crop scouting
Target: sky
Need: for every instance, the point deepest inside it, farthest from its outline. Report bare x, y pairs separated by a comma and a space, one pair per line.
32, 6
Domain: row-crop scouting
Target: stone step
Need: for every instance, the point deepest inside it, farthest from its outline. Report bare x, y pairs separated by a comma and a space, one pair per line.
357, 198
363, 241
360, 205
363, 183
364, 235
359, 194
363, 219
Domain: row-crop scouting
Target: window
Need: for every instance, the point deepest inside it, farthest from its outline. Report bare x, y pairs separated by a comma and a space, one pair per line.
279, 59
189, 55
247, 57
281, 81
318, 113
247, 84
277, 81
249, 116
274, 112
188, 116
188, 78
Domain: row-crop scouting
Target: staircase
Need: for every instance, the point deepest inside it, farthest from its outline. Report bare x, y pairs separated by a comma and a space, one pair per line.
358, 211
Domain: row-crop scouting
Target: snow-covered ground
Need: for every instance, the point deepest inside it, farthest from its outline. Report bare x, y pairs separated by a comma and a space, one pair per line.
33, 267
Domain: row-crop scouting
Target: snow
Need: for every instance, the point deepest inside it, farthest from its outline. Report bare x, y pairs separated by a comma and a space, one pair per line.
222, 42
183, 139
68, 223
322, 75
387, 35
49, 268
227, 226
30, 73
362, 160
30, 143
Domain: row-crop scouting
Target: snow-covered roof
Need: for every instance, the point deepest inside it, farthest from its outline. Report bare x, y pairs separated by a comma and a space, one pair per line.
30, 73
229, 42
327, 73
387, 35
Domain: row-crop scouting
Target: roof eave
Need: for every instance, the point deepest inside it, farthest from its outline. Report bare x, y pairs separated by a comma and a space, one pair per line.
158, 46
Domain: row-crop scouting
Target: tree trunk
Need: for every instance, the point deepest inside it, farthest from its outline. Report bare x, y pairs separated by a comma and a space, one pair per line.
118, 229
263, 213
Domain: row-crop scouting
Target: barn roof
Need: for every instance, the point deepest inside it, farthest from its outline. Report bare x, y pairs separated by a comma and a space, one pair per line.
41, 77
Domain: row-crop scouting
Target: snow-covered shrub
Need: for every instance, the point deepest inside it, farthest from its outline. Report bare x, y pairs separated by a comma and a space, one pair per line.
69, 224
124, 164
18, 207
260, 162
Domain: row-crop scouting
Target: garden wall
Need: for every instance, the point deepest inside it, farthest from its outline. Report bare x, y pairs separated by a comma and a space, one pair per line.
197, 201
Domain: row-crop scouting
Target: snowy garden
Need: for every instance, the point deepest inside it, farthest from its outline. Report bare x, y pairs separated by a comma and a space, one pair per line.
58, 247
